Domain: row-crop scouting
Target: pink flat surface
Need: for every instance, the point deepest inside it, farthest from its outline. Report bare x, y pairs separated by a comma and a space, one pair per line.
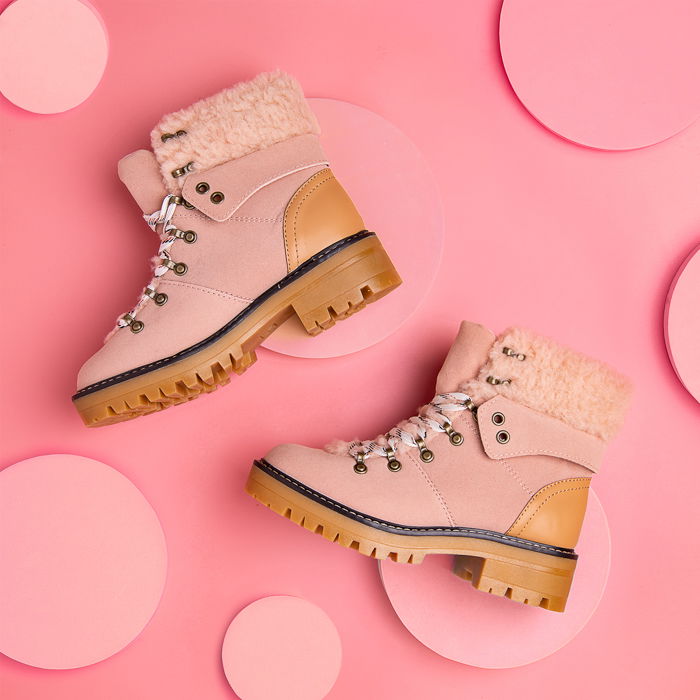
52, 54
460, 623
578, 243
395, 192
682, 323
83, 561
610, 74
281, 647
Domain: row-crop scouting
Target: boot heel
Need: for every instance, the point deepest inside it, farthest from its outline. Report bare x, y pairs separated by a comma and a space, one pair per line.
543, 582
347, 282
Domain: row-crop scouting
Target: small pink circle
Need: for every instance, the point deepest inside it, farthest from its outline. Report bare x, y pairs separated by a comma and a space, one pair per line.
83, 561
52, 54
281, 647
460, 623
609, 74
394, 190
682, 323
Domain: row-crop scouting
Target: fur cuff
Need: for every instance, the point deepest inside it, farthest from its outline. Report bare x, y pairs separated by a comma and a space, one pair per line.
237, 121
582, 392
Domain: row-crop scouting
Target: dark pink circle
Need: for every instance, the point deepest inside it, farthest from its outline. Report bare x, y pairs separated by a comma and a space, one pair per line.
82, 561
609, 74
281, 647
460, 623
395, 192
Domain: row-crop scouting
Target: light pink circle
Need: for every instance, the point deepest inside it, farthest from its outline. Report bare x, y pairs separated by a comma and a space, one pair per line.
682, 323
52, 54
82, 561
460, 623
281, 647
609, 74
394, 190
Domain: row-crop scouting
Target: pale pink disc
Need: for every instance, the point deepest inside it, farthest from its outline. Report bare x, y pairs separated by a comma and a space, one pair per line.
682, 323
52, 54
609, 74
395, 192
82, 561
458, 622
281, 647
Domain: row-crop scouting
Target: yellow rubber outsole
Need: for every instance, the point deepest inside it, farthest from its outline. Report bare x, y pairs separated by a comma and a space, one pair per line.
333, 290
522, 575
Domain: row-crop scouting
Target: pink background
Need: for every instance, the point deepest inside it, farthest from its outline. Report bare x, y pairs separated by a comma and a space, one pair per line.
577, 243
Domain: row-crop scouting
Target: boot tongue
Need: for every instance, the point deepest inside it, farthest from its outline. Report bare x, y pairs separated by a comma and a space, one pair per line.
140, 172
466, 356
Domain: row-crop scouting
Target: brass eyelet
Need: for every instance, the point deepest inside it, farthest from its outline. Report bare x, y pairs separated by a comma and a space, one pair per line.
393, 464
426, 455
360, 467
495, 380
179, 172
456, 438
503, 436
498, 418
189, 236
136, 326
160, 298
217, 197
512, 353
180, 268
202, 187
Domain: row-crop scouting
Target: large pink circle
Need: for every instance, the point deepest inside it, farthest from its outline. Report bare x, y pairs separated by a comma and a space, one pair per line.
609, 74
682, 323
394, 190
455, 620
52, 54
281, 647
82, 561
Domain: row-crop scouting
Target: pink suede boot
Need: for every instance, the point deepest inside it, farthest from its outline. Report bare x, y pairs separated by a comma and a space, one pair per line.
254, 227
495, 469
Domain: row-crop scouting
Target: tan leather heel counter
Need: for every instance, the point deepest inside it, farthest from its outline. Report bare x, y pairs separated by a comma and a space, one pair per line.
554, 515
319, 214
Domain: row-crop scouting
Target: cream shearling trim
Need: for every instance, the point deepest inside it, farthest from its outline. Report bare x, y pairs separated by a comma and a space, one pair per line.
580, 391
247, 117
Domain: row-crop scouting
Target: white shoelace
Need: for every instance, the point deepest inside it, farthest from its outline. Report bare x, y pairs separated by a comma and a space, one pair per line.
162, 216
414, 431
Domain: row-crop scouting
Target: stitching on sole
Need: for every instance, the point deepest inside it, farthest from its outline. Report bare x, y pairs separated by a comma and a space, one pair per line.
272, 471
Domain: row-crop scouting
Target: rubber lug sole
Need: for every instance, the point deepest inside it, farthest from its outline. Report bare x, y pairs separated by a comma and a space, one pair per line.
528, 577
333, 290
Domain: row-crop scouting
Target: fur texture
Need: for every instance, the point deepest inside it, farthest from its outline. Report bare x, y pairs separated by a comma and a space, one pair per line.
583, 392
237, 121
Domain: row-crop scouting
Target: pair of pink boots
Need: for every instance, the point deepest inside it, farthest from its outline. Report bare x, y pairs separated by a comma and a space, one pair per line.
254, 228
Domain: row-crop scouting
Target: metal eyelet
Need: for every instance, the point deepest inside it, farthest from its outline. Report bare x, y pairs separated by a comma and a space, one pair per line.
187, 236
217, 197
166, 137
160, 298
180, 132
136, 326
498, 418
495, 380
179, 172
426, 455
393, 464
517, 355
503, 436
456, 438
360, 467
202, 187
180, 269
